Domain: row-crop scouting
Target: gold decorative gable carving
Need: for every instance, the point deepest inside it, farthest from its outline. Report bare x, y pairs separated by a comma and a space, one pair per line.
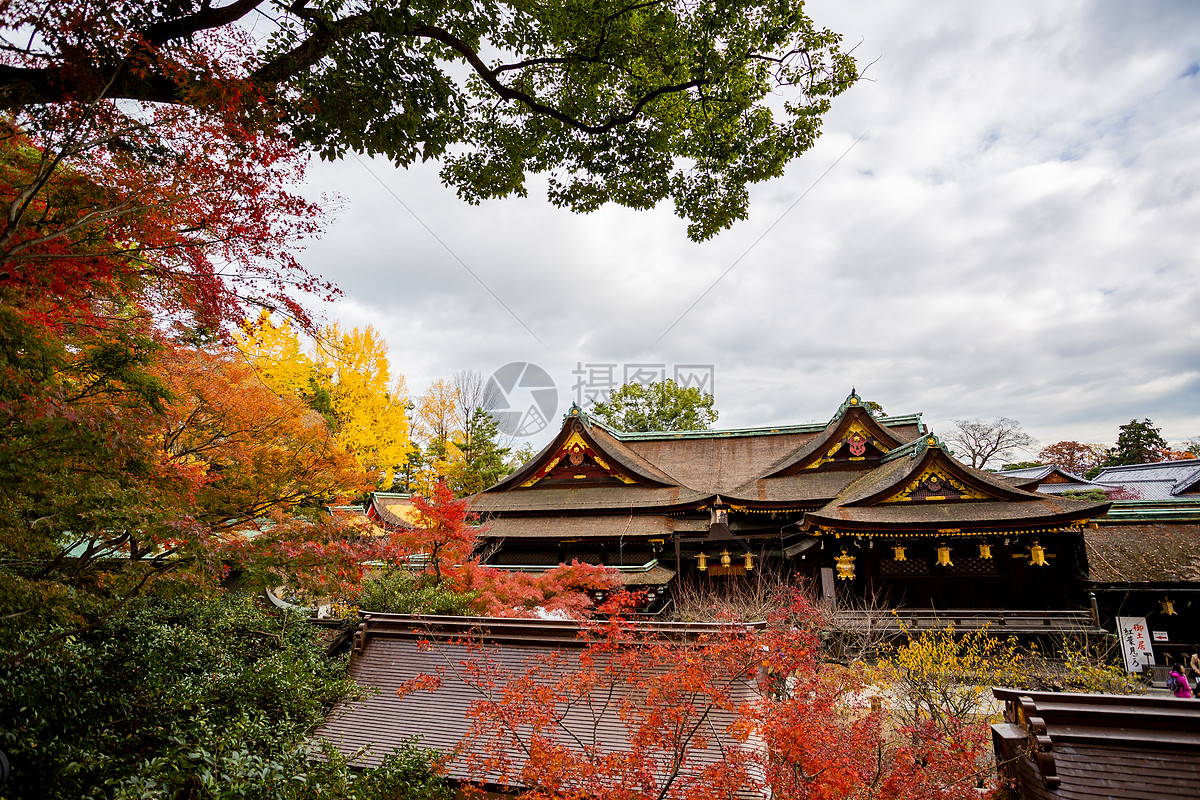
573, 450
855, 439
935, 483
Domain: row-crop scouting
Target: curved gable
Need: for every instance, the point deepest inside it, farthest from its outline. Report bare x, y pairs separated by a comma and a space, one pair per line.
929, 475
854, 439
580, 457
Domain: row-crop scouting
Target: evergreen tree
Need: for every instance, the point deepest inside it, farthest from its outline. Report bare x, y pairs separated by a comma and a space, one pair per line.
482, 459
1137, 443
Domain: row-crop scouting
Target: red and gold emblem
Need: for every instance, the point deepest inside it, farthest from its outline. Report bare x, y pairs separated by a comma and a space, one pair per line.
858, 444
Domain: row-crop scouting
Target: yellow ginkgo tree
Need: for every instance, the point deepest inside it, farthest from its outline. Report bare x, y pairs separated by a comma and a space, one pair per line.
347, 377
367, 404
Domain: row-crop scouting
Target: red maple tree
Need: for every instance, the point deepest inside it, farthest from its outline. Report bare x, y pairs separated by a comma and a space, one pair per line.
718, 711
443, 540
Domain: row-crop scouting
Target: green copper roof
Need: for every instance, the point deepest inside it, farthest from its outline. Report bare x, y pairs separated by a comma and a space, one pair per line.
916, 447
809, 427
1153, 511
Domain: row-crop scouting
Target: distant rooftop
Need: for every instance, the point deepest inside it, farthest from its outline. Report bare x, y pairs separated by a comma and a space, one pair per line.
1163, 480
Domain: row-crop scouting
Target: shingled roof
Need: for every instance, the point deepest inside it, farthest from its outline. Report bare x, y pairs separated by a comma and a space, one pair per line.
678, 470
465, 653
855, 473
1151, 553
921, 486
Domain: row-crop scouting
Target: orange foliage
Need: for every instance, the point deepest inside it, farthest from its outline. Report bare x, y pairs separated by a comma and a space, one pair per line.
729, 710
445, 538
244, 450
564, 591
1074, 457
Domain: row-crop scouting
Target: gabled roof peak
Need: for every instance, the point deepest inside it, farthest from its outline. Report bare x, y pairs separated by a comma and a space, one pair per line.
852, 401
916, 447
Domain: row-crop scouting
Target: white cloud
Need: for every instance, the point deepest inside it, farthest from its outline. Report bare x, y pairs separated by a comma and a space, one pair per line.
1015, 236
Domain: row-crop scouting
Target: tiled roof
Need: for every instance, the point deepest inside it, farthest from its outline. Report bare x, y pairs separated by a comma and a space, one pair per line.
1159, 481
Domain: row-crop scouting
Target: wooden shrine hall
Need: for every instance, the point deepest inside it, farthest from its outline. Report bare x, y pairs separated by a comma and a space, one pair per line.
863, 506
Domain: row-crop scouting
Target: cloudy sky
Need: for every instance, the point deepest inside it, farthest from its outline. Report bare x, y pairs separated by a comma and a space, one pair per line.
1016, 234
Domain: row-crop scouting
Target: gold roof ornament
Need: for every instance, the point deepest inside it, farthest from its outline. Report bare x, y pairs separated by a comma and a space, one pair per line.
702, 562
943, 556
985, 550
1037, 555
898, 553
749, 562
1168, 607
845, 566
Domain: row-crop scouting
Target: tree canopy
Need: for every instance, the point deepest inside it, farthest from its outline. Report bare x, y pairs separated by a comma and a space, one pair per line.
1137, 443
978, 442
661, 406
193, 698
631, 103
1074, 457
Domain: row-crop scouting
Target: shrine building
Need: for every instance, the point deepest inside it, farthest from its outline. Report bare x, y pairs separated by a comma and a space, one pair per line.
862, 506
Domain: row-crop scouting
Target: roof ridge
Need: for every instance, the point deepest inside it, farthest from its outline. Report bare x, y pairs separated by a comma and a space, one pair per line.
1150, 465
765, 430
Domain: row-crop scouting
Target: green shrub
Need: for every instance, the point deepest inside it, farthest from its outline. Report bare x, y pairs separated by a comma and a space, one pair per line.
402, 593
192, 698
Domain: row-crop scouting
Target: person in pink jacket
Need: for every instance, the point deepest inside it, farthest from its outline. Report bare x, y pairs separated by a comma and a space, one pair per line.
1178, 682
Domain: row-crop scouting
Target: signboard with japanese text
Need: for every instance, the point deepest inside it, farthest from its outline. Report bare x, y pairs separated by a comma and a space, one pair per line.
1135, 642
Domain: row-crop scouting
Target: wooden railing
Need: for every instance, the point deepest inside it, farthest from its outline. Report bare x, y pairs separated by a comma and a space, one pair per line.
1002, 621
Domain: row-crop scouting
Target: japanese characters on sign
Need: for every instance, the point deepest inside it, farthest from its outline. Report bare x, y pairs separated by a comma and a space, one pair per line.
1135, 642
594, 382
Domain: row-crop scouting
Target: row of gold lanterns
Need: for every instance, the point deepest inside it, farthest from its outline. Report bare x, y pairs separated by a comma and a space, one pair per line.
726, 560
845, 562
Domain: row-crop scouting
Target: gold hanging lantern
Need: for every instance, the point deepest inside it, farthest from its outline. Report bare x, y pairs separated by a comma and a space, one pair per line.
943, 556
702, 562
749, 562
985, 550
845, 566
1037, 554
726, 560
898, 552
1168, 607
